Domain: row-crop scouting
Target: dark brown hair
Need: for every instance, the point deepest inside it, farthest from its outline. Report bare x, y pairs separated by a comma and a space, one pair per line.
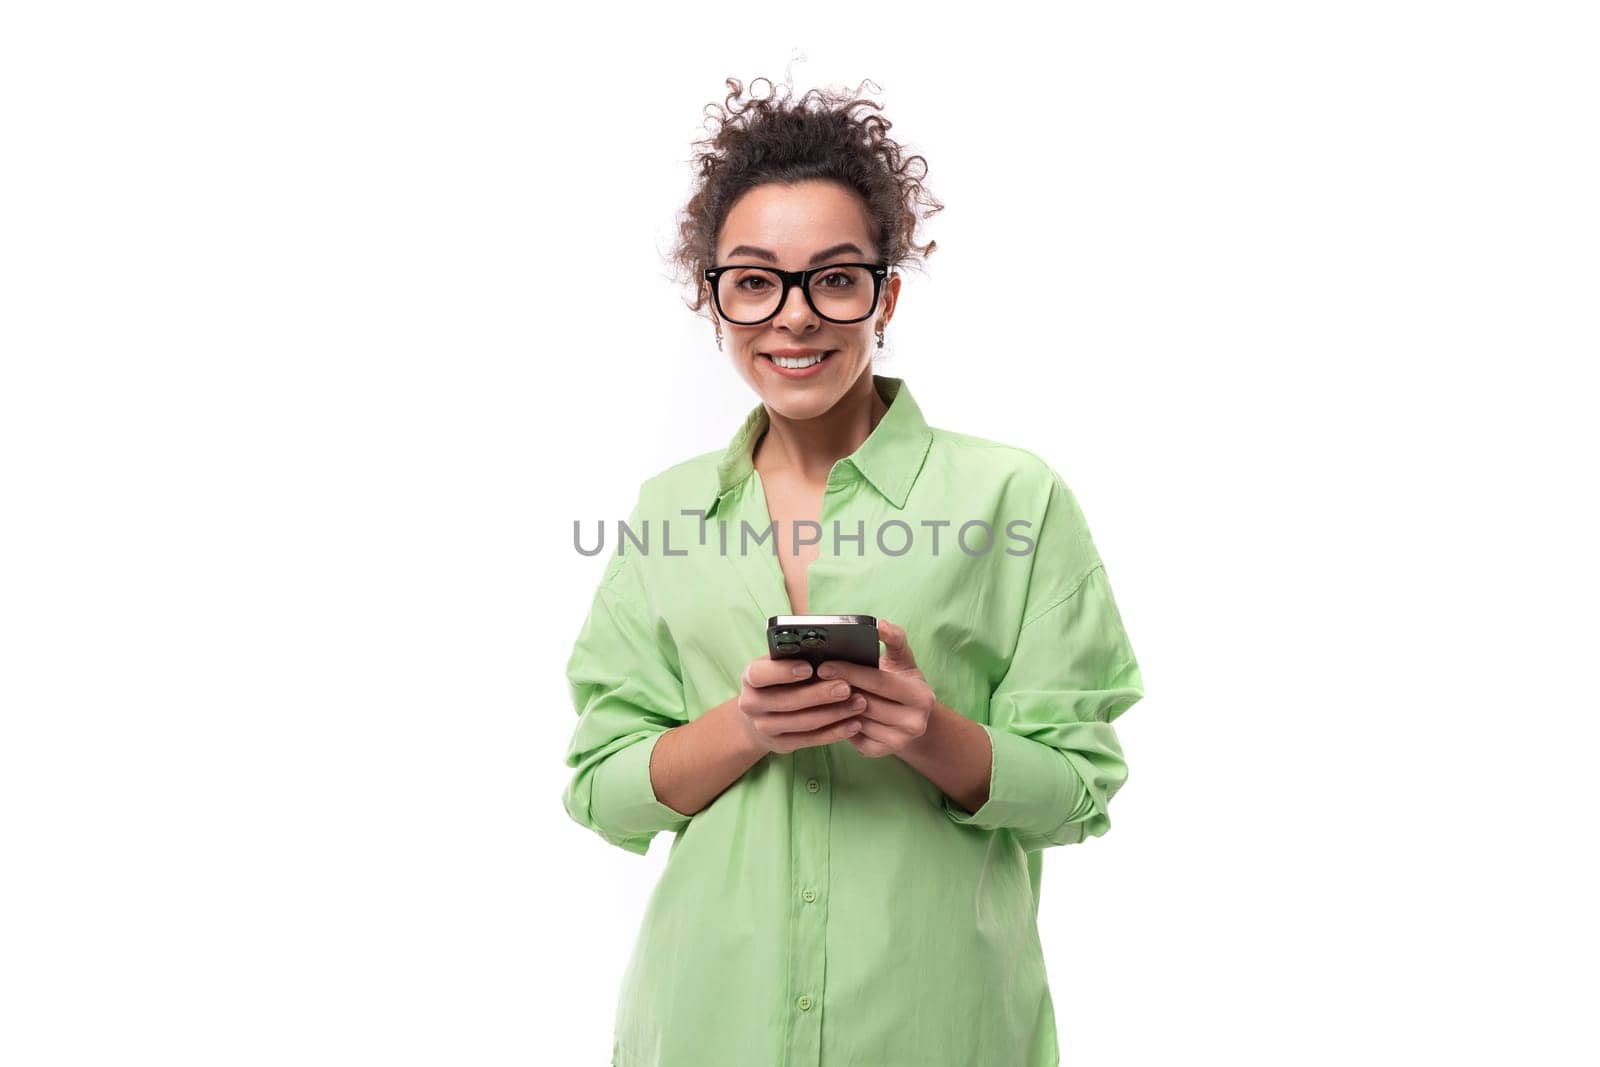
820, 136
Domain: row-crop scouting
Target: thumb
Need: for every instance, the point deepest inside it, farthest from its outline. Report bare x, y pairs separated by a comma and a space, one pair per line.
897, 654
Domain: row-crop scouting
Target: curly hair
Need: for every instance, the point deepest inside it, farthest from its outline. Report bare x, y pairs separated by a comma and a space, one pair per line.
768, 139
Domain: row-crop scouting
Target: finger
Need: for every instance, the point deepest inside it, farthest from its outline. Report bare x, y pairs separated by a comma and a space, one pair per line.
897, 654
887, 712
879, 730
896, 687
869, 747
876, 739
768, 671
798, 696
812, 718
846, 727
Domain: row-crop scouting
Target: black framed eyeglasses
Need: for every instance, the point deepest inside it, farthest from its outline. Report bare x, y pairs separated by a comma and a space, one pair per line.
839, 292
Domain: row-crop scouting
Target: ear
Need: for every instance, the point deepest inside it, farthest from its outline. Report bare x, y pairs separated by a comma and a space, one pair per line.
891, 296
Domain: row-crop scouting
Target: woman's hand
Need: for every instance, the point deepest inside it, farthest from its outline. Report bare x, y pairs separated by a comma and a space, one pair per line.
784, 708
899, 700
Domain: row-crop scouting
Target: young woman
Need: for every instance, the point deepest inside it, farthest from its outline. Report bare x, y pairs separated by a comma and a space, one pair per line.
854, 872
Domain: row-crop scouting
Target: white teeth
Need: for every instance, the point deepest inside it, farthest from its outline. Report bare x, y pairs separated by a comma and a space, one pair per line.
796, 363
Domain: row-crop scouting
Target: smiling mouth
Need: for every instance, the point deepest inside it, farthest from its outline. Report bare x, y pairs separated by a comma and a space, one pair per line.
798, 362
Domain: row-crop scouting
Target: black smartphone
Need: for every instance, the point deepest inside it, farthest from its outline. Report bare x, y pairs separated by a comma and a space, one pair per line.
814, 638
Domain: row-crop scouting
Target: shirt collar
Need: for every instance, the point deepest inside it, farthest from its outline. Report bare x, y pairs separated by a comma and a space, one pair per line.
889, 459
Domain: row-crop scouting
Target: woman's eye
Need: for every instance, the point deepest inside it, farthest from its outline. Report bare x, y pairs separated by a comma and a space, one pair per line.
752, 282
838, 280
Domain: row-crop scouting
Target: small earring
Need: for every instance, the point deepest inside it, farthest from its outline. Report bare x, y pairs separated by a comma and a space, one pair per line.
719, 340
880, 338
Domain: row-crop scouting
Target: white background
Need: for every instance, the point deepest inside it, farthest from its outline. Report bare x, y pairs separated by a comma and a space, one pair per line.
320, 324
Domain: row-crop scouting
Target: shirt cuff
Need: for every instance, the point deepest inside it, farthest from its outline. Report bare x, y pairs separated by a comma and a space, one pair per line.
622, 791
1033, 789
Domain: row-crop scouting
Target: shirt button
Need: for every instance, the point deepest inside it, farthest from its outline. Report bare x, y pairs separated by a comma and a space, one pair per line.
808, 894
812, 785
804, 1002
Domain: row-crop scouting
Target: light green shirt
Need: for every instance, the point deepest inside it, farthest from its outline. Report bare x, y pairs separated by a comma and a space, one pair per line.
827, 909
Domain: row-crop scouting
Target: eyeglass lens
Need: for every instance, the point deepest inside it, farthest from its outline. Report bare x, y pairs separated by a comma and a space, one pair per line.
750, 294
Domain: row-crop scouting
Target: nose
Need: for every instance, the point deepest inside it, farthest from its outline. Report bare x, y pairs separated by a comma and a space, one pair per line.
795, 312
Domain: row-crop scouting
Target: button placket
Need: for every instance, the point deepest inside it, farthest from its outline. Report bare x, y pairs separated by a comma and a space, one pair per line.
808, 922
810, 844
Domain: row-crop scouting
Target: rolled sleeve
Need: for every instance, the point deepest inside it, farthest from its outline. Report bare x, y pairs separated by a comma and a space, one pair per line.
627, 692
1056, 761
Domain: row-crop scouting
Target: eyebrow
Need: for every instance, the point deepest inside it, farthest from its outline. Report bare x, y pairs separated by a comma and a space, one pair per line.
825, 254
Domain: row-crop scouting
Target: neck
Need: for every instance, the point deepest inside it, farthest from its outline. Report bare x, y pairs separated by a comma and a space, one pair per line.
808, 448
